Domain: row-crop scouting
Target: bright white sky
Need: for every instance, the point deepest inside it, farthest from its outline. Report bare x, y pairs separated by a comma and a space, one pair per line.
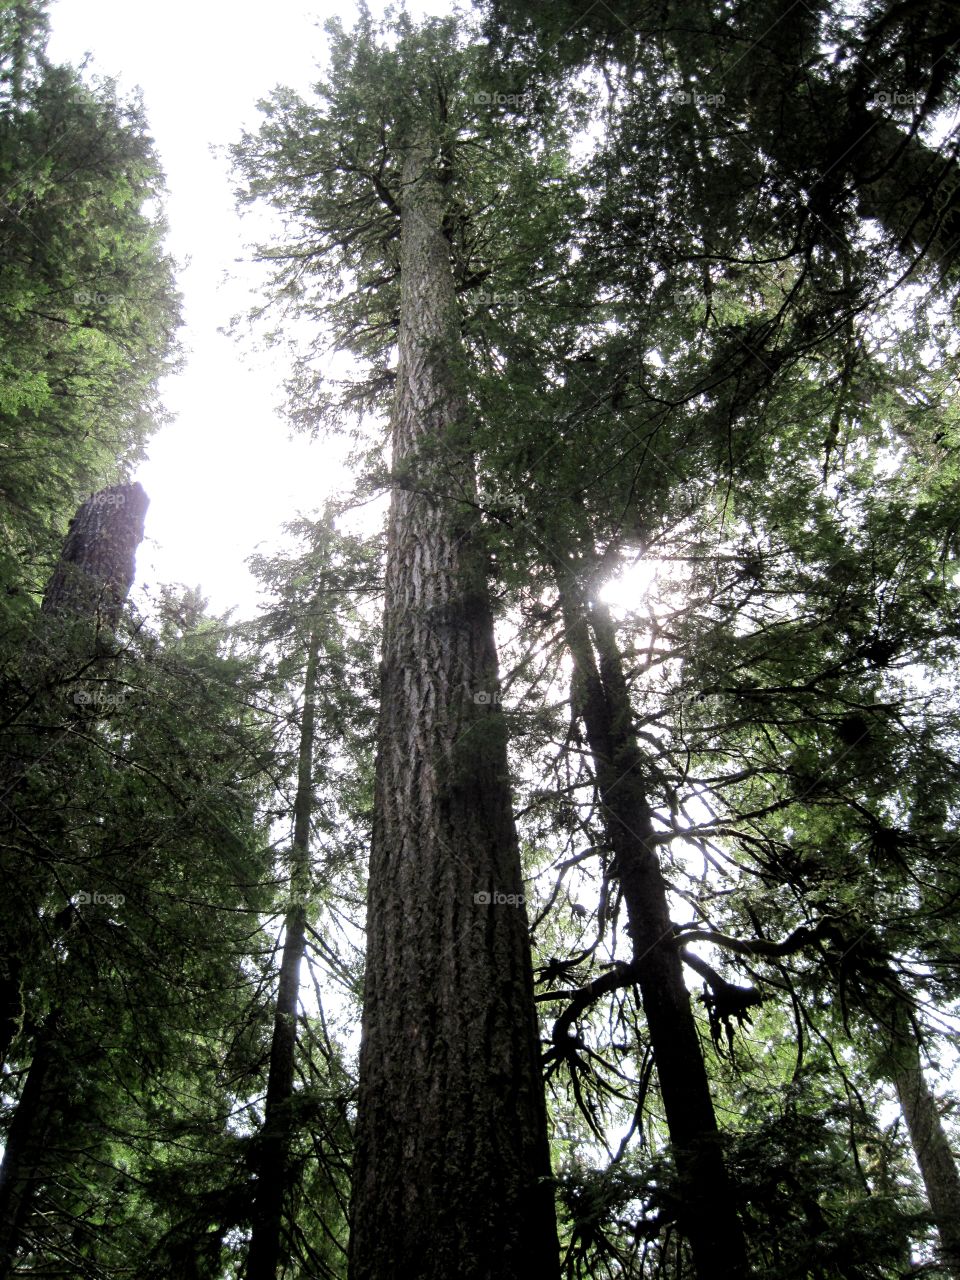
225, 475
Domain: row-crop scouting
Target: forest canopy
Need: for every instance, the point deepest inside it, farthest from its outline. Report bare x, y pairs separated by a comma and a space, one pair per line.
558, 875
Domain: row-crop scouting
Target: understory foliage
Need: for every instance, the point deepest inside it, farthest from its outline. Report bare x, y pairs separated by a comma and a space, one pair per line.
706, 265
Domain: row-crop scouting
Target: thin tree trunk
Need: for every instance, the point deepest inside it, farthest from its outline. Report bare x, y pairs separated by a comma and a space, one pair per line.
938, 1166
274, 1141
708, 1215
452, 1172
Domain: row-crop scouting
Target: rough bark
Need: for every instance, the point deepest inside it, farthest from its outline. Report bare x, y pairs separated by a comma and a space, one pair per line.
22, 1156
90, 585
273, 1154
708, 1212
97, 565
938, 1166
452, 1174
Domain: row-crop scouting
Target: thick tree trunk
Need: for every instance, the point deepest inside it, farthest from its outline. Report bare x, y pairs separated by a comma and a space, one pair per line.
272, 1163
19, 1169
452, 1174
708, 1215
938, 1166
11, 1001
90, 585
96, 568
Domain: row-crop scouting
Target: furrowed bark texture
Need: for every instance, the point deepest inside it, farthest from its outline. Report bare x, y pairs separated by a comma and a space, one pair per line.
708, 1213
452, 1173
97, 565
84, 596
273, 1155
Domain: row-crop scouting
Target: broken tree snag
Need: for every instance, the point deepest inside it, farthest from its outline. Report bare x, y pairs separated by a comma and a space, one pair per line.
97, 566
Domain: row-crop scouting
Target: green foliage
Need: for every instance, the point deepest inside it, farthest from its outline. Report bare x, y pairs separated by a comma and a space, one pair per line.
690, 341
88, 308
686, 346
137, 861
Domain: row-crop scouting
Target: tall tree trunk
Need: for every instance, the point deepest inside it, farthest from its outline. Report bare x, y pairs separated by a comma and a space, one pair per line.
11, 1000
452, 1172
937, 1163
23, 1149
89, 585
272, 1164
708, 1214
